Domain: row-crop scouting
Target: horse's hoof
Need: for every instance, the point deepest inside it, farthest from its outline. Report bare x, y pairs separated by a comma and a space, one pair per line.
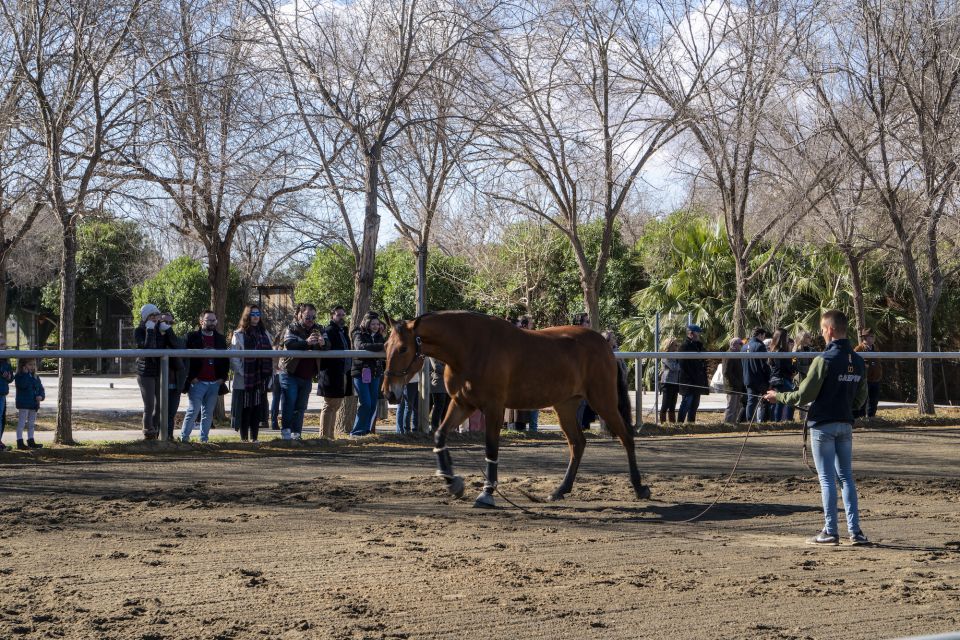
556, 496
643, 493
484, 501
456, 487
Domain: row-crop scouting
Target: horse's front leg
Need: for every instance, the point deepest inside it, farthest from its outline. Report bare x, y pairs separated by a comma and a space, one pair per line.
494, 418
456, 414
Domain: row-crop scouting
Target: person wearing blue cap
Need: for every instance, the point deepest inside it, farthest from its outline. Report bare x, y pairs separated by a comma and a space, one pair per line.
693, 376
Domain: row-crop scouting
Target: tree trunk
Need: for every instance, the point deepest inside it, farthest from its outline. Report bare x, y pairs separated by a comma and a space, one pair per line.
68, 297
924, 367
740, 300
856, 283
423, 423
364, 277
591, 299
218, 276
3, 295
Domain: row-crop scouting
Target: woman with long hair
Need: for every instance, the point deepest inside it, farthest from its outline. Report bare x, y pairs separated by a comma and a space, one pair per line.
782, 372
669, 379
251, 376
367, 372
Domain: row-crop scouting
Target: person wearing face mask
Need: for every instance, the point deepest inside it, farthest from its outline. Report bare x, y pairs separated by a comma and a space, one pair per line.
251, 376
151, 333
205, 376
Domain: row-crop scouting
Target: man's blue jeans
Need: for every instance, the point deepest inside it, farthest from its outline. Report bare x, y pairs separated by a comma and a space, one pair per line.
756, 411
202, 397
367, 395
296, 395
534, 420
832, 445
3, 415
688, 408
408, 411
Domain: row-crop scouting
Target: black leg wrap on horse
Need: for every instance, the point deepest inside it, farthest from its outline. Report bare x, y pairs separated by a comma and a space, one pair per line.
444, 464
491, 482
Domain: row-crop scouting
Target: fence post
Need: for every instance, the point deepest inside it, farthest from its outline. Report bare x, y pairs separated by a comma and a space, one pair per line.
656, 371
423, 403
164, 396
638, 383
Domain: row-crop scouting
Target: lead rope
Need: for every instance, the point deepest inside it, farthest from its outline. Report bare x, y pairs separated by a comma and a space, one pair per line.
723, 488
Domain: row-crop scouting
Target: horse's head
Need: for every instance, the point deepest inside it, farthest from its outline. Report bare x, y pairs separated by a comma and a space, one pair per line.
404, 358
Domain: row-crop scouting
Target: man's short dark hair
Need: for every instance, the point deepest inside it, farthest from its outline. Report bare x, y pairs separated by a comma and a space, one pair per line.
838, 320
206, 311
339, 307
759, 331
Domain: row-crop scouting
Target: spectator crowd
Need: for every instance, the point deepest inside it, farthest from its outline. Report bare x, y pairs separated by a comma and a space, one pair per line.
274, 392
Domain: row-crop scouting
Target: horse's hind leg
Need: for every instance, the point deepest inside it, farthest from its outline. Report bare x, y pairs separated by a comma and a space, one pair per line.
567, 412
611, 415
493, 415
456, 414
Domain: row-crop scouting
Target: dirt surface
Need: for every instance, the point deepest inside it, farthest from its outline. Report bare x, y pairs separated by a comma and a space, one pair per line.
362, 542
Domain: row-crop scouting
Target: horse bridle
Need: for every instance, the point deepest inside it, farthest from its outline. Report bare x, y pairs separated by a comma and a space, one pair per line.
418, 356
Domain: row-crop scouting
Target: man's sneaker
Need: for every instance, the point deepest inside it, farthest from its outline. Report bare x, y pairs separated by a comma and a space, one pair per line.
858, 538
825, 538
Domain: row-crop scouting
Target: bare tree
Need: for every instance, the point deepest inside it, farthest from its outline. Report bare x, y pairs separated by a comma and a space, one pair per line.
354, 66
78, 64
21, 166
887, 78
215, 143
574, 124
732, 59
422, 166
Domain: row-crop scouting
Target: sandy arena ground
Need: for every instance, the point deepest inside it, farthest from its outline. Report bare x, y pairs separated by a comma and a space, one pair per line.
360, 541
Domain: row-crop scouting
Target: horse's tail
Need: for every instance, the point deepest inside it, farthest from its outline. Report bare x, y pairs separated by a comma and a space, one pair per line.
623, 398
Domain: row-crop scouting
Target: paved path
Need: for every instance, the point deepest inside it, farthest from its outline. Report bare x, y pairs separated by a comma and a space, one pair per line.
95, 393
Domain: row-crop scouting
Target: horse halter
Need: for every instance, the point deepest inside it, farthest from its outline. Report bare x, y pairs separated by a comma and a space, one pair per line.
418, 356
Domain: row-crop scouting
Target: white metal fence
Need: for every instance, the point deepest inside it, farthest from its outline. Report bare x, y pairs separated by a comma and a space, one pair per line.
639, 358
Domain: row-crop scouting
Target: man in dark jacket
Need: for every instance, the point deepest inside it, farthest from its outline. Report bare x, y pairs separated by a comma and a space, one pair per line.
733, 381
297, 374
335, 383
835, 386
756, 376
152, 333
693, 376
205, 376
178, 373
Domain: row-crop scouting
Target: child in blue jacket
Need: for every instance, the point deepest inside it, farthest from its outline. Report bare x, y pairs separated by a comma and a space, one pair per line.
30, 394
6, 377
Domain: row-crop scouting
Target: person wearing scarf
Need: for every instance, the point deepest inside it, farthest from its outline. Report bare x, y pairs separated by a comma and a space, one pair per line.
251, 376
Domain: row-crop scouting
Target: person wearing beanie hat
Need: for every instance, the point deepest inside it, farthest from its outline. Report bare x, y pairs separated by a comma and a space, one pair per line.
148, 310
152, 333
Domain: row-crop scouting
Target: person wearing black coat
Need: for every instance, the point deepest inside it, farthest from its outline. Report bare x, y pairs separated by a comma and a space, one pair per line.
693, 376
205, 376
756, 376
335, 383
733, 381
152, 333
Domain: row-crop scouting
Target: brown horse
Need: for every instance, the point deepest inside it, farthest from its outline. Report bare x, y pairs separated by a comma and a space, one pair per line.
492, 365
